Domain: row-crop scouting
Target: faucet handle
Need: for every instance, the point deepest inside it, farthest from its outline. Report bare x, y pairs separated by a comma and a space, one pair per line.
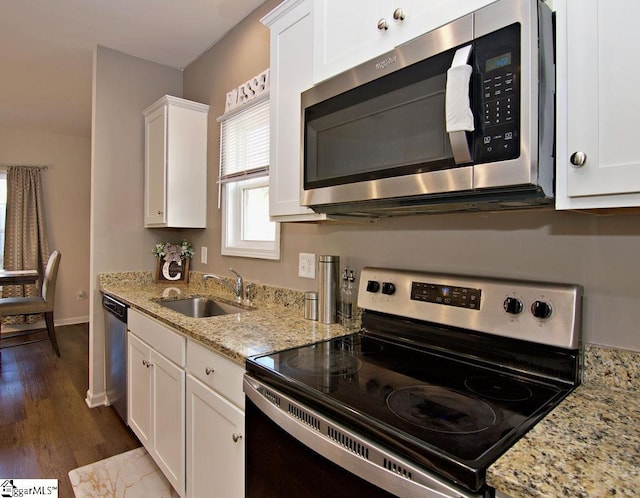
232, 270
248, 291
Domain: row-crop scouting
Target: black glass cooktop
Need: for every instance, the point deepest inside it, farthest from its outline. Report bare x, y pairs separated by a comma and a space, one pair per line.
448, 414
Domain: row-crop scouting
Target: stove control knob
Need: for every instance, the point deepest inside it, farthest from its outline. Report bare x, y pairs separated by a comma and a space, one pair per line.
373, 286
540, 309
388, 288
513, 305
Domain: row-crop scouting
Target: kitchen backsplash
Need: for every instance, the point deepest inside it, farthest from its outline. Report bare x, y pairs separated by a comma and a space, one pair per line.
615, 368
287, 298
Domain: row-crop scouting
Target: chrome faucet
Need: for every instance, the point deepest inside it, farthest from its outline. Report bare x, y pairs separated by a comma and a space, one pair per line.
237, 289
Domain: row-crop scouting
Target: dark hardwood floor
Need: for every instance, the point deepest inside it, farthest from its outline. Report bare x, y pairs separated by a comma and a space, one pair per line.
46, 428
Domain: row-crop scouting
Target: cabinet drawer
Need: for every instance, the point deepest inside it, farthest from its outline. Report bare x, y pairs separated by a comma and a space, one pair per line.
166, 342
224, 376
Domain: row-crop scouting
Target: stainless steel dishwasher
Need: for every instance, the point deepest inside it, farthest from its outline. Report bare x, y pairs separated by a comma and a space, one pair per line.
116, 354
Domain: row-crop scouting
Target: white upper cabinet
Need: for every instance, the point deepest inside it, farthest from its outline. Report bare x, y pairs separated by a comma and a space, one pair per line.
598, 103
349, 33
291, 73
175, 164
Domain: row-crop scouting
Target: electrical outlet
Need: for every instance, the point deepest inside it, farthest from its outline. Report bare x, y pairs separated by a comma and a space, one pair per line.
307, 265
203, 255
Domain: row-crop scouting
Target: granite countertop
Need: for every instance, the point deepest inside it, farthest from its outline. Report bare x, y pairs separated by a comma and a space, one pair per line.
589, 445
276, 322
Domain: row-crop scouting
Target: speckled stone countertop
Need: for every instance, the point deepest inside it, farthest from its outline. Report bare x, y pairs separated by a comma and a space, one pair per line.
276, 322
589, 445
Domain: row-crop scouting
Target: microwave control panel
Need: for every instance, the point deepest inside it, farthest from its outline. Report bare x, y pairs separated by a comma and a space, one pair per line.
497, 82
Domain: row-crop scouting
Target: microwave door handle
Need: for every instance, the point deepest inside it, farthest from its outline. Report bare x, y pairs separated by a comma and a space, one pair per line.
459, 117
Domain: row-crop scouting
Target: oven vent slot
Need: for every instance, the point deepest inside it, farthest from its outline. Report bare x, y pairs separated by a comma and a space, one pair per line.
348, 443
305, 417
397, 469
271, 396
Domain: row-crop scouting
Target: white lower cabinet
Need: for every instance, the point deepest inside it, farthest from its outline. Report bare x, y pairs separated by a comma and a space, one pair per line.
156, 394
215, 446
191, 424
215, 425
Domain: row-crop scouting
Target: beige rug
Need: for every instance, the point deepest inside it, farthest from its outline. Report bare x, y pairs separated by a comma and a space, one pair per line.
133, 474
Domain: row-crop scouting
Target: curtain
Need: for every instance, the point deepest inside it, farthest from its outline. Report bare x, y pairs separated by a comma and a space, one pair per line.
25, 244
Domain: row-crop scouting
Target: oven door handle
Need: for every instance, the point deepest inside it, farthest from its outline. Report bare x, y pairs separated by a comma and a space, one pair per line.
351, 451
459, 117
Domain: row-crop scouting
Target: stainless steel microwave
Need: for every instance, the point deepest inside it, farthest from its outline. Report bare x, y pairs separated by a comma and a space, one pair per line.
460, 118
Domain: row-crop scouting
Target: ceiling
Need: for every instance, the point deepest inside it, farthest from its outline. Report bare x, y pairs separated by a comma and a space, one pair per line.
46, 49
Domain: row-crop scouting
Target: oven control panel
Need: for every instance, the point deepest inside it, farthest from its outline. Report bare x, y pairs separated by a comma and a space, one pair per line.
542, 312
447, 295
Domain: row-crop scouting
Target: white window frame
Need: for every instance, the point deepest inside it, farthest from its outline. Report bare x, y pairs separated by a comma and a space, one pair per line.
230, 199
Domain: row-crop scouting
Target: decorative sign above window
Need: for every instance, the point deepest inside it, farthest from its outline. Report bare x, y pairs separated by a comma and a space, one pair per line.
256, 86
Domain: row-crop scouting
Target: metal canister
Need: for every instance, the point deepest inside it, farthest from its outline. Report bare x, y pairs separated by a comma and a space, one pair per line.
311, 305
328, 274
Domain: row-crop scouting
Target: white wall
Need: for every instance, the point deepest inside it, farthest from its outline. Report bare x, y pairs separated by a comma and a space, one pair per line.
66, 189
123, 86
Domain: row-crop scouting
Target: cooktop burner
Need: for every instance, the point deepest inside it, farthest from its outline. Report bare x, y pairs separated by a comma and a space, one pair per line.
308, 362
441, 410
501, 388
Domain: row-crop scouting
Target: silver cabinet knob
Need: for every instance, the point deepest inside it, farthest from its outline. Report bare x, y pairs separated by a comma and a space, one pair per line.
159, 212
578, 159
147, 363
236, 436
398, 14
383, 25
209, 370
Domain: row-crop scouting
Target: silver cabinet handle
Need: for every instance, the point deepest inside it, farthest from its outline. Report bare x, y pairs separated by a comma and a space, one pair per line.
209, 370
398, 14
236, 436
383, 25
147, 363
578, 159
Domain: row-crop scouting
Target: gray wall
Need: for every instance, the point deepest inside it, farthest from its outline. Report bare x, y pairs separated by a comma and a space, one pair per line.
66, 188
123, 86
598, 252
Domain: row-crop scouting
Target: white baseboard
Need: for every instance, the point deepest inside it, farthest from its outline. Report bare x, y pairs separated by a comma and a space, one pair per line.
94, 400
40, 324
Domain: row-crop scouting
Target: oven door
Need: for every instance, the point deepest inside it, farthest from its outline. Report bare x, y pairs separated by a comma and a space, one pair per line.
295, 451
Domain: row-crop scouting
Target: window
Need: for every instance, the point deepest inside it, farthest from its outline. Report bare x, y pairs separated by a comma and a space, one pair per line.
244, 183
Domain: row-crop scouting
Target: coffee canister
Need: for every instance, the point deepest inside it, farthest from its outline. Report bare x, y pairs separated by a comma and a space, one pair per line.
311, 305
328, 274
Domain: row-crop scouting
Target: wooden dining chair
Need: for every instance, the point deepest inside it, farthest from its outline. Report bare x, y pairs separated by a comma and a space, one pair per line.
38, 304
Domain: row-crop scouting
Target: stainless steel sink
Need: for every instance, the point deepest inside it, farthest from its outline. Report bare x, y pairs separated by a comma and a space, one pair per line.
201, 307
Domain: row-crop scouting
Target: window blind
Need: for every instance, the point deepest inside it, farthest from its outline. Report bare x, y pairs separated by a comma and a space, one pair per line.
244, 143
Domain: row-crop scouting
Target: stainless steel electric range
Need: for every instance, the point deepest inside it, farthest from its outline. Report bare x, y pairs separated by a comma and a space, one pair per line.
446, 373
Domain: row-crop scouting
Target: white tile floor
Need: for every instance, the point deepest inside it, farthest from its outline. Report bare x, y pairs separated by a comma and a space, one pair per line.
132, 475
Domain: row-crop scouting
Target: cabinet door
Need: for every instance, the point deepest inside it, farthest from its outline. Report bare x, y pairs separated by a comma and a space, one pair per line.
426, 16
291, 74
155, 167
169, 419
347, 34
598, 103
139, 389
215, 446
